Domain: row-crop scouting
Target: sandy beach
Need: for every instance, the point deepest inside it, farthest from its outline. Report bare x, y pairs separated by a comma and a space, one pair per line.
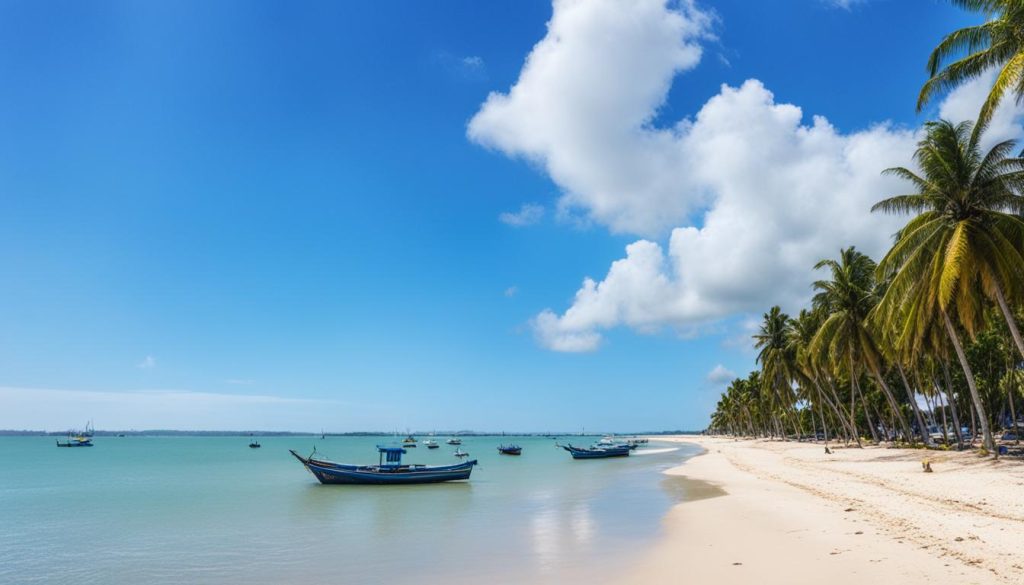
787, 513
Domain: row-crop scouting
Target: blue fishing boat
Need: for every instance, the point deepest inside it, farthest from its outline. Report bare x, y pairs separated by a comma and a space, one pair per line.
597, 452
510, 450
79, 438
76, 441
389, 470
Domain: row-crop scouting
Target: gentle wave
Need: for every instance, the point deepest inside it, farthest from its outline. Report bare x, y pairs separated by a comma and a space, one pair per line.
654, 451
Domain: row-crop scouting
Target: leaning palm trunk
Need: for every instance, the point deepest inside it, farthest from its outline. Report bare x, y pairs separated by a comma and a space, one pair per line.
914, 406
1010, 320
892, 402
951, 402
867, 414
855, 389
975, 397
847, 419
847, 430
1013, 409
945, 425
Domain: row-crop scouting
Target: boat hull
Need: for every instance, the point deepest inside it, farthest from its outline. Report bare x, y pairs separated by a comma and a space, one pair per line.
86, 443
597, 453
340, 474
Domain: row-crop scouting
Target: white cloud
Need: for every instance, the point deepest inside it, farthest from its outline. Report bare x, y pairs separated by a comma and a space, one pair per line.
473, 62
238, 382
529, 214
720, 375
583, 101
147, 363
964, 102
550, 333
511, 291
777, 194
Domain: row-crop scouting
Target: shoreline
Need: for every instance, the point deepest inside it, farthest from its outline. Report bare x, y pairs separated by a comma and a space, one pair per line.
786, 513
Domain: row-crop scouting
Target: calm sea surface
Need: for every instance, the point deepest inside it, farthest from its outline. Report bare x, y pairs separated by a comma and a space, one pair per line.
161, 510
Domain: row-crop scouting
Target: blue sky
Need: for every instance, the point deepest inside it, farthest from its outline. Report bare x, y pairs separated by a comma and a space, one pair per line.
279, 202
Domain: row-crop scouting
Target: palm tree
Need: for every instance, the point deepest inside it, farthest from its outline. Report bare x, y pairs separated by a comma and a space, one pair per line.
777, 361
967, 53
963, 245
969, 209
801, 332
847, 298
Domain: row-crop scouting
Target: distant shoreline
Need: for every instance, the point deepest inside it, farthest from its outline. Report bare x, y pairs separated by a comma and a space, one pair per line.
246, 433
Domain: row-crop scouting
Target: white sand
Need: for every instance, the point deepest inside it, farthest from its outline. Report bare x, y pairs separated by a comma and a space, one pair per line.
791, 515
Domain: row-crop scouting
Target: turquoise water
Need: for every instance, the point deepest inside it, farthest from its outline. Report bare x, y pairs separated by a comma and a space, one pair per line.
210, 510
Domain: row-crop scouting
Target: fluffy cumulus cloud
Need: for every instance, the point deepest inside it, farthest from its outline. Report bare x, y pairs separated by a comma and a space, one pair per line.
776, 189
720, 375
582, 103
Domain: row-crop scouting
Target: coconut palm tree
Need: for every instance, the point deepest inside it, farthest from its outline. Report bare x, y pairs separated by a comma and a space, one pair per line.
963, 246
777, 362
847, 298
969, 205
801, 332
967, 53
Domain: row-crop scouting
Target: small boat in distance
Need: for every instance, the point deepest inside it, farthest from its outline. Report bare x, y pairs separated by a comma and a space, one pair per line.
510, 450
454, 441
75, 441
79, 438
597, 452
389, 470
460, 453
254, 445
409, 441
431, 444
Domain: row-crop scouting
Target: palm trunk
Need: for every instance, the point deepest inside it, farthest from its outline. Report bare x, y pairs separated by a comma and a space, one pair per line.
990, 444
1013, 411
892, 402
945, 425
824, 425
914, 406
848, 421
867, 415
951, 401
835, 409
1008, 315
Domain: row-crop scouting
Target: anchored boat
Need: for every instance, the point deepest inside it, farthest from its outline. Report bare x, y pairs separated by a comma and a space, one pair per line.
597, 452
510, 450
76, 441
79, 438
389, 470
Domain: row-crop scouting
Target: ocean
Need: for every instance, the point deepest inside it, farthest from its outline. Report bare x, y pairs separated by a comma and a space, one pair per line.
163, 510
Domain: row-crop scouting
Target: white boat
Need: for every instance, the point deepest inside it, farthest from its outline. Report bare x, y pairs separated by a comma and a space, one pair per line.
431, 444
454, 441
460, 453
